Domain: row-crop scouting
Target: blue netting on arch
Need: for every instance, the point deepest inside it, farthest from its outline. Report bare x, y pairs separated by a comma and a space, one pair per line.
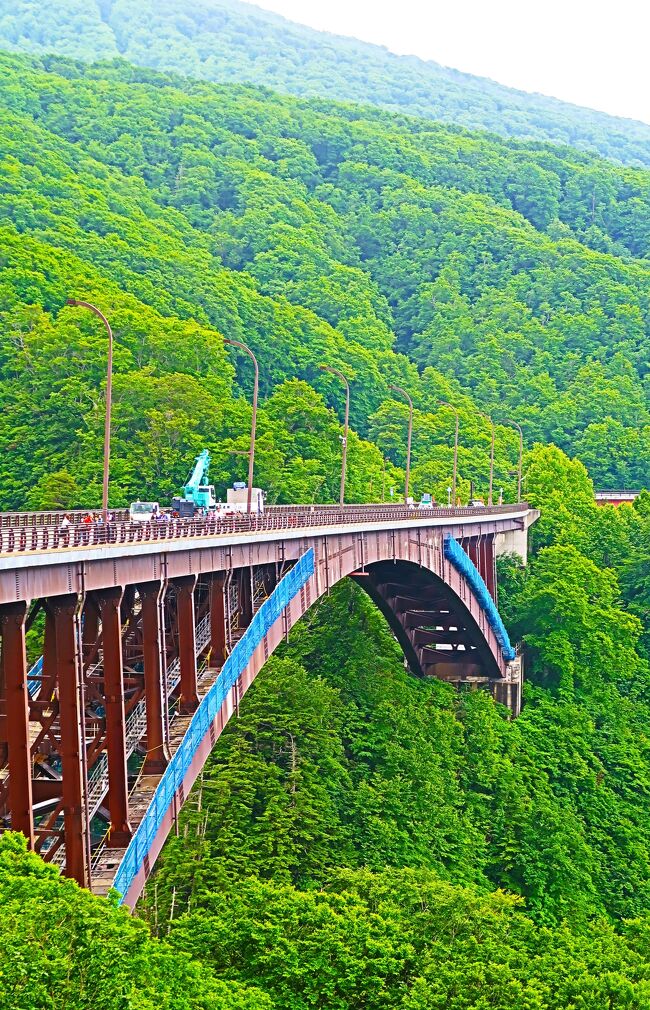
462, 563
205, 714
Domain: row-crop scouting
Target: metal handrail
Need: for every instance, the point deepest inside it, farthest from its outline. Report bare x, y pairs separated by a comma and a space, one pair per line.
43, 538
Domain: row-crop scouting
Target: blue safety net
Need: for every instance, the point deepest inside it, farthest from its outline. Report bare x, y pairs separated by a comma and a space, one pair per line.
463, 564
34, 677
205, 715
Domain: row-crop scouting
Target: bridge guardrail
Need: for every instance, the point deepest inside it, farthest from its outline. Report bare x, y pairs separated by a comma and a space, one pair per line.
174, 775
49, 537
19, 520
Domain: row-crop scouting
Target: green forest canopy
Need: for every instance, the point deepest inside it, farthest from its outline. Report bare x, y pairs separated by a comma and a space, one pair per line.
224, 40
514, 275
364, 840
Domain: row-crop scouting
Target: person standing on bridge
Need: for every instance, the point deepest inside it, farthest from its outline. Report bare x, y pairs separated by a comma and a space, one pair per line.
64, 529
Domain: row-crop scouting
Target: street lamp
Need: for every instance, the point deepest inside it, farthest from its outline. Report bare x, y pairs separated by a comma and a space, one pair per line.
488, 418
409, 438
455, 476
109, 396
521, 455
340, 375
251, 451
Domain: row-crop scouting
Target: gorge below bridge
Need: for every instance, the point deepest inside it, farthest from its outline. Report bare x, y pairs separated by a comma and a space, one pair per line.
152, 634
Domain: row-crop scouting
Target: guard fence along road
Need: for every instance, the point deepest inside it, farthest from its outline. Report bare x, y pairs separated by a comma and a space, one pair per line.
40, 538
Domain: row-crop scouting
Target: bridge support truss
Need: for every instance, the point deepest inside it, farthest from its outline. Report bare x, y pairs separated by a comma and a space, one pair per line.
132, 646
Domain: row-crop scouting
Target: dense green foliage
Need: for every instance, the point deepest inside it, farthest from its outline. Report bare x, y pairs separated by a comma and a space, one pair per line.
345, 843
189, 210
62, 949
359, 839
362, 839
224, 40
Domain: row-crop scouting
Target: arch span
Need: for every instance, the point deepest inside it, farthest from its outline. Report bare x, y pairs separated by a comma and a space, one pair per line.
431, 606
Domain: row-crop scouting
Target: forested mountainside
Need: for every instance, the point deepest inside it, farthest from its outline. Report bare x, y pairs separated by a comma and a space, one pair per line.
359, 839
224, 40
514, 276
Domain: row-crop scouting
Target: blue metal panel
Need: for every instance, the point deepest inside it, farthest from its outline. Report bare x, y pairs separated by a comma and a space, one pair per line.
33, 678
462, 563
206, 713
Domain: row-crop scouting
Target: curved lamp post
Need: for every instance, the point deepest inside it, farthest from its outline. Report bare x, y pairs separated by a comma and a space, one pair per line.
409, 439
492, 459
109, 396
251, 451
340, 375
521, 454
455, 477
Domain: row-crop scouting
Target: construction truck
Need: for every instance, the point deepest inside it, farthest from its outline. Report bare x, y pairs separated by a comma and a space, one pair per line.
197, 493
237, 499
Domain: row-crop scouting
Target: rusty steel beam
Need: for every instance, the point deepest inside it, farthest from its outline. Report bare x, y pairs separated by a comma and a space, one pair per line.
218, 619
69, 667
108, 604
186, 617
151, 598
48, 676
472, 551
422, 636
245, 595
16, 710
490, 567
432, 657
430, 619
90, 622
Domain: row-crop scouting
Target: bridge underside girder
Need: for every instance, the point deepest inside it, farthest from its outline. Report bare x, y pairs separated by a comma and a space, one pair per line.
437, 634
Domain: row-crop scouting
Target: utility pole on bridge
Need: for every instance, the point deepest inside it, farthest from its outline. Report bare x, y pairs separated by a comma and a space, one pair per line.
409, 438
340, 375
109, 387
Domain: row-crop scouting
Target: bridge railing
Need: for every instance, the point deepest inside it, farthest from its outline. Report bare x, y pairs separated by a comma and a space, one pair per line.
49, 537
174, 775
26, 520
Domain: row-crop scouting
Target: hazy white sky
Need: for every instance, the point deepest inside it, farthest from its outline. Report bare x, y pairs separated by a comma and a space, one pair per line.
590, 52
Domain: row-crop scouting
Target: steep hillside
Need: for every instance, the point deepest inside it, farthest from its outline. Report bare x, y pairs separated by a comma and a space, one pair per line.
224, 40
344, 845
318, 236
359, 840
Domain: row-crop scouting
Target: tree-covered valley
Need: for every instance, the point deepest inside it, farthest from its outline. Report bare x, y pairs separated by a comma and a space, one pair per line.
359, 838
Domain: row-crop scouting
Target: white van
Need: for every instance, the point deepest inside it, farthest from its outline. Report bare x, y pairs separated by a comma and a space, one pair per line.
143, 511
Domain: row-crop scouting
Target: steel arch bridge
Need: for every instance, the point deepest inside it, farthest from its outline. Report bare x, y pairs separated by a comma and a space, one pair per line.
151, 637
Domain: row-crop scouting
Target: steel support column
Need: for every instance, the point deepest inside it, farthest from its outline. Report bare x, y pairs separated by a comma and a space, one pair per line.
48, 675
90, 622
489, 562
473, 551
108, 601
13, 674
151, 597
245, 596
218, 619
69, 667
189, 698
